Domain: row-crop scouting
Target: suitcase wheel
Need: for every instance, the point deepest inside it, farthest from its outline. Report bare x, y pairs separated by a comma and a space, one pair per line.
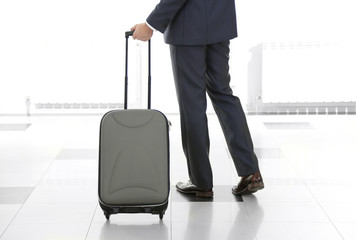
161, 215
107, 215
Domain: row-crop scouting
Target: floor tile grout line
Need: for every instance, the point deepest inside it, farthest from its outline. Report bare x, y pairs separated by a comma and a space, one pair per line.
91, 222
319, 204
12, 220
315, 198
15, 215
250, 220
171, 217
44, 174
8, 225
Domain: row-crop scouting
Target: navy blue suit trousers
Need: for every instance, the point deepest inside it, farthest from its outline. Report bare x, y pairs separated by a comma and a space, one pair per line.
200, 70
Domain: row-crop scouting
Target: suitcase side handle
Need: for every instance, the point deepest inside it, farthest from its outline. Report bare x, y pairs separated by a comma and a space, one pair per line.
127, 35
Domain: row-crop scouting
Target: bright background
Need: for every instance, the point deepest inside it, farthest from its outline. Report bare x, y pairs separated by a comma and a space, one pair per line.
72, 51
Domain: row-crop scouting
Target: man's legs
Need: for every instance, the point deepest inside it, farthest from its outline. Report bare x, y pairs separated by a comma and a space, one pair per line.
229, 110
189, 69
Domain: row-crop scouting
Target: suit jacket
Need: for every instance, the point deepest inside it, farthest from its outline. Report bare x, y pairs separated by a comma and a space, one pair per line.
195, 22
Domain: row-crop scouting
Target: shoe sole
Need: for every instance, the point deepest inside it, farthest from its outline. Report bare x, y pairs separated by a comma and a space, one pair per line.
251, 188
198, 193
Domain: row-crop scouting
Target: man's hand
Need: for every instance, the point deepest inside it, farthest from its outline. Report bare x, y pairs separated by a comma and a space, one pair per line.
142, 32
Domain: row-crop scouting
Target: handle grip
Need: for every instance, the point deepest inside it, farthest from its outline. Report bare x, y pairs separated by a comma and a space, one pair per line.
129, 33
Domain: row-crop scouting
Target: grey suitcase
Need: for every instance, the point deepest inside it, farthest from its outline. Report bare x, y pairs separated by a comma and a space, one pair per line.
134, 158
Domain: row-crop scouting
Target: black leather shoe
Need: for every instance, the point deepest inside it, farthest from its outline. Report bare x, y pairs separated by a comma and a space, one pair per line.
249, 184
189, 187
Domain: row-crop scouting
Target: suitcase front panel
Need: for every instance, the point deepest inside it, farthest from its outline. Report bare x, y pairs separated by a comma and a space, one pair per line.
134, 158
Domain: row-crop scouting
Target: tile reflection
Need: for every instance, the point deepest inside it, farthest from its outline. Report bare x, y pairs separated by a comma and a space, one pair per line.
14, 127
222, 193
70, 154
211, 221
135, 231
199, 224
242, 228
14, 195
258, 213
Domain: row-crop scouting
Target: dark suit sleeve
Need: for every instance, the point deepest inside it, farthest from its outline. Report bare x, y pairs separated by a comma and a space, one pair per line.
164, 12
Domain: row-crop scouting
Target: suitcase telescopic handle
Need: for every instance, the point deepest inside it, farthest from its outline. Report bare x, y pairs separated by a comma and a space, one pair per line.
127, 35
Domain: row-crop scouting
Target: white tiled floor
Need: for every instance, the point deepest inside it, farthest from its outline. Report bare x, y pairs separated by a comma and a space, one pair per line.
48, 183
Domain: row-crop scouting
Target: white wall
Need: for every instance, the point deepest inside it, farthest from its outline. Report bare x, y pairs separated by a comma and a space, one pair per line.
68, 51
